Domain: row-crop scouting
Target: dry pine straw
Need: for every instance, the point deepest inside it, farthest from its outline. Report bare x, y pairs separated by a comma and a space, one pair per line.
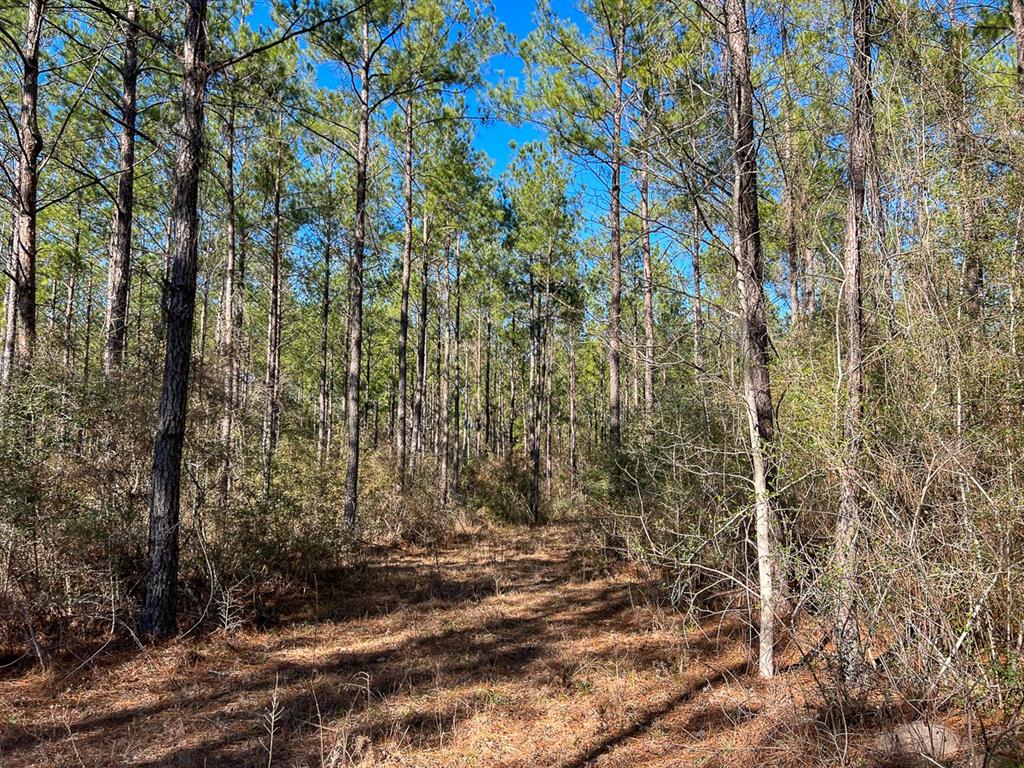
492, 652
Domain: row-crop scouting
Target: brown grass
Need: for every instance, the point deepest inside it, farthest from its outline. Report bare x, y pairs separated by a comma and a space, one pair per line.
492, 652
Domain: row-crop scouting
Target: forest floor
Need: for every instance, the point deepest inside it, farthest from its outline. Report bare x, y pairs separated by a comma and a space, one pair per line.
498, 650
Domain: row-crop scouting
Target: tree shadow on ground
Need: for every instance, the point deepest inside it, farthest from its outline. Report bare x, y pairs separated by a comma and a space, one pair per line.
222, 714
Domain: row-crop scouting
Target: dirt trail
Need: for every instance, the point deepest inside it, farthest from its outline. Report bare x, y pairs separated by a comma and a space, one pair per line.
494, 652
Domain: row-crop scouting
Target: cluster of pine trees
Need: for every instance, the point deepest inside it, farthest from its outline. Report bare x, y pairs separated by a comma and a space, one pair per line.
750, 305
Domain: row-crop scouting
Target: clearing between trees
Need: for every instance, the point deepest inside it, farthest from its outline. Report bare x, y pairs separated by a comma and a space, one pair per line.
501, 649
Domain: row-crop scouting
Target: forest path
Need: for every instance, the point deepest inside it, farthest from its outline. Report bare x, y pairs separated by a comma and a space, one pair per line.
495, 651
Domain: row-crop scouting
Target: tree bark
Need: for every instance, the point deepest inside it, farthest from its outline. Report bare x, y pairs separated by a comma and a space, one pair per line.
457, 354
488, 434
87, 342
698, 300
120, 251
749, 279
203, 311
69, 321
847, 634
444, 362
534, 401
421, 349
158, 618
10, 315
324, 405
1017, 8
810, 295
788, 184
403, 319
573, 384
234, 277
512, 389
968, 175
548, 394
615, 281
476, 420
355, 288
272, 391
645, 223
30, 143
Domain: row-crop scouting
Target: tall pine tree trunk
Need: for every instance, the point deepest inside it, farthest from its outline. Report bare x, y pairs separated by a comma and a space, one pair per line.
533, 409
401, 449
615, 281
443, 384
324, 406
488, 433
231, 299
421, 349
788, 184
158, 618
272, 391
120, 251
847, 634
30, 143
698, 299
69, 320
573, 384
1017, 8
512, 391
87, 341
10, 316
754, 329
645, 223
355, 289
548, 395
457, 356
968, 173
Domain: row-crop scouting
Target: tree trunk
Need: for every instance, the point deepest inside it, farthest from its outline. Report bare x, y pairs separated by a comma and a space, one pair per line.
810, 297
204, 310
573, 459
698, 301
548, 378
10, 316
69, 321
30, 143
444, 361
615, 281
534, 401
788, 184
457, 353
87, 343
272, 391
421, 349
645, 242
232, 325
439, 350
158, 618
477, 418
488, 435
749, 279
512, 389
1017, 7
323, 430
847, 634
355, 289
967, 172
120, 252
403, 319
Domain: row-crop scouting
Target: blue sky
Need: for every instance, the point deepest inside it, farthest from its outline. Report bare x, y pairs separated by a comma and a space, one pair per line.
493, 137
